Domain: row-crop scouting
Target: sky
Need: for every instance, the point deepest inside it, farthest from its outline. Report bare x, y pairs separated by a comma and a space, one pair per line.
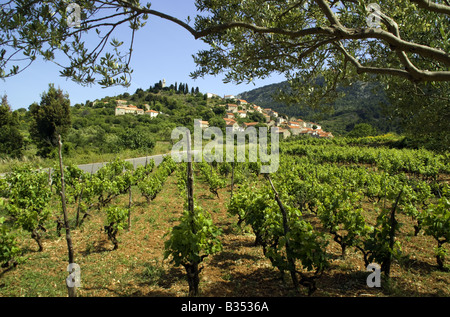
162, 50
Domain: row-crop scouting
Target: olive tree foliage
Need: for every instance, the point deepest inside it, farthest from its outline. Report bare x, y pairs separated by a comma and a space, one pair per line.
327, 40
248, 39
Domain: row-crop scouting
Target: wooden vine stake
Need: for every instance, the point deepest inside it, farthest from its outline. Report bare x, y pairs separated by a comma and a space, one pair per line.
71, 290
192, 268
190, 177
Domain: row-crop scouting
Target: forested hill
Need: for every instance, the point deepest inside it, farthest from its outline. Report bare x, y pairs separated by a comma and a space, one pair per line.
362, 103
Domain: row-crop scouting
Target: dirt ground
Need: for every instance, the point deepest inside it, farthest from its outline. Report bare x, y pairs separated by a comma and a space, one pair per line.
138, 269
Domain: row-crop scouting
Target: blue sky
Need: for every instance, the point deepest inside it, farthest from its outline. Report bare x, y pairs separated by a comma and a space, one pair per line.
162, 50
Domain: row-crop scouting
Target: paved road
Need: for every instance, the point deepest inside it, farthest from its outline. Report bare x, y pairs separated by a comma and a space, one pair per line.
94, 167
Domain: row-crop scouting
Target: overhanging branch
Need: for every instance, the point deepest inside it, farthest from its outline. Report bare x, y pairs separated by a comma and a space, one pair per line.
420, 75
432, 6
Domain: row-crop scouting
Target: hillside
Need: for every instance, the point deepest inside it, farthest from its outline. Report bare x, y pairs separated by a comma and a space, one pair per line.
97, 134
362, 103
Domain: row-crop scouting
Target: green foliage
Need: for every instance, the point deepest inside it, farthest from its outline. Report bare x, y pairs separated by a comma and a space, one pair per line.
11, 140
143, 171
111, 180
417, 107
362, 130
341, 216
28, 198
436, 223
307, 244
193, 239
9, 248
137, 139
51, 117
116, 219
249, 205
257, 208
74, 178
424, 163
214, 181
151, 185
376, 246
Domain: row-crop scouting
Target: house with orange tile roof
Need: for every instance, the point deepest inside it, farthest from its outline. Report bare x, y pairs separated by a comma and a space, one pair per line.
204, 124
257, 108
282, 132
152, 113
232, 124
242, 113
130, 109
232, 107
295, 130
249, 124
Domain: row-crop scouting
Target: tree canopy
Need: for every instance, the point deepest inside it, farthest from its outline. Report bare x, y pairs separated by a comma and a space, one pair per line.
248, 39
51, 117
395, 42
11, 140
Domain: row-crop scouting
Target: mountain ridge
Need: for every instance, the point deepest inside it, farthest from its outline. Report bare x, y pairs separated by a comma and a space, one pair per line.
363, 102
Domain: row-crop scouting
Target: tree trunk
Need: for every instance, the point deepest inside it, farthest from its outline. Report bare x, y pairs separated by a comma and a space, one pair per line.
232, 180
192, 273
35, 235
80, 197
72, 291
289, 257
393, 224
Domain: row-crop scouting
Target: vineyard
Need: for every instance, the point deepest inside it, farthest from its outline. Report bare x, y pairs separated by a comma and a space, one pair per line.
224, 229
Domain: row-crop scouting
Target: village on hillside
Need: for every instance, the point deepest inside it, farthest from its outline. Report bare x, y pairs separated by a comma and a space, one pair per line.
284, 125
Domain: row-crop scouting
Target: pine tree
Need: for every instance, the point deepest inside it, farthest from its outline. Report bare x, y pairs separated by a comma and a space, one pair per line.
50, 118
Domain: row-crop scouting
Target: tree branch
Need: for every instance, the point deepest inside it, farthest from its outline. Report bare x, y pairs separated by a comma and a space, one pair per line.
339, 31
420, 75
325, 8
431, 6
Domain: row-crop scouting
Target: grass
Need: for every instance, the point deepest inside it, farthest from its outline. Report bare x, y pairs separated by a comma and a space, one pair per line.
138, 268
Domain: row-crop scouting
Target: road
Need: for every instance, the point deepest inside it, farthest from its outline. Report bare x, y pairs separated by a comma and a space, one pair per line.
94, 167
